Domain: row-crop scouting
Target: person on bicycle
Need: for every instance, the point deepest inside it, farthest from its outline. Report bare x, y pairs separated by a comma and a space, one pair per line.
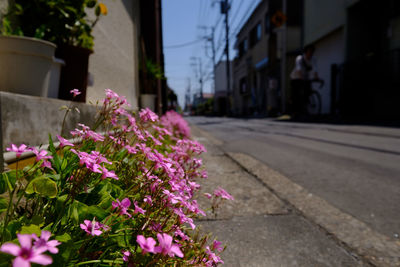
300, 80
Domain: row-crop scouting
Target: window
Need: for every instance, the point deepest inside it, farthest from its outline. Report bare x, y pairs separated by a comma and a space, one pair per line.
243, 48
255, 34
267, 24
243, 85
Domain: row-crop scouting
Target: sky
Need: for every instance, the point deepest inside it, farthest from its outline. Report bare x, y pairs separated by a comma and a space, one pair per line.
185, 24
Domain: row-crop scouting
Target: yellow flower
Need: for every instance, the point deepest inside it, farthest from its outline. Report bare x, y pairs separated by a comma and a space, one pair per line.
103, 9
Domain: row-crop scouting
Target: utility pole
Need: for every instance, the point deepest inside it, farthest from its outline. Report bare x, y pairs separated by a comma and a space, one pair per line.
187, 96
225, 10
198, 70
211, 39
283, 58
201, 80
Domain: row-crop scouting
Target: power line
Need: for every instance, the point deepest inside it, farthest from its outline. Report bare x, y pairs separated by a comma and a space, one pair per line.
244, 17
236, 13
182, 45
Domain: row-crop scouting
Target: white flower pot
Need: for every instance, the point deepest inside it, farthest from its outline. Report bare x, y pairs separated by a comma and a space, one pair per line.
25, 65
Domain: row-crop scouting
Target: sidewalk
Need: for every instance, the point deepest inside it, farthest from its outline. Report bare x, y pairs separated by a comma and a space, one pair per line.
259, 228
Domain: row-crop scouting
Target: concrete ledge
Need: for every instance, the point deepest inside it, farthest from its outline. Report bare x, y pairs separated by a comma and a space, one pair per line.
29, 119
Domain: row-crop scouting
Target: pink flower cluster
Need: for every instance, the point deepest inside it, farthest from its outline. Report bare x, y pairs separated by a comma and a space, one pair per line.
93, 228
153, 165
95, 163
165, 247
26, 253
174, 123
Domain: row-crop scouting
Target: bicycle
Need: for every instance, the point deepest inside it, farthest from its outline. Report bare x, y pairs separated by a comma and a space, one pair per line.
314, 102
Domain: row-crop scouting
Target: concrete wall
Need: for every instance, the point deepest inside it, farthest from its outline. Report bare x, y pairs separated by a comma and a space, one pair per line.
329, 50
323, 17
115, 62
29, 119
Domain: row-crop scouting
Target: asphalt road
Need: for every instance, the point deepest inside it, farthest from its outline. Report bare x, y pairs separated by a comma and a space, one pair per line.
354, 168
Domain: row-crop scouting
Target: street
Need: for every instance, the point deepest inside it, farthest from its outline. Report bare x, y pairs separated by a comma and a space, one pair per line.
354, 168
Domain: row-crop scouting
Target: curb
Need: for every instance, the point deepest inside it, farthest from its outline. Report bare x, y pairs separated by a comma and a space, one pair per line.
374, 247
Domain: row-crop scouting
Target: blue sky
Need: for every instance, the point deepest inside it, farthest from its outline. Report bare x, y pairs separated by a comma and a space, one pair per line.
183, 22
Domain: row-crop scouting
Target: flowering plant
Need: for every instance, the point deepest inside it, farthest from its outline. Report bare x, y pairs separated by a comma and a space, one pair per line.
125, 195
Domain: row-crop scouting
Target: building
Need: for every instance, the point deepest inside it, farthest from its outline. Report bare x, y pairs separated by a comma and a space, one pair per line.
266, 39
220, 81
357, 49
128, 37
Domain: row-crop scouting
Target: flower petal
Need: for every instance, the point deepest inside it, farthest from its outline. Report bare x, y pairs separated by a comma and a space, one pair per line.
21, 262
176, 250
45, 235
42, 259
25, 240
10, 248
126, 203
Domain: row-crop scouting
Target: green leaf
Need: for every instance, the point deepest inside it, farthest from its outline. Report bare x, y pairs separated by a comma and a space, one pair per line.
44, 186
97, 10
63, 238
97, 212
78, 211
13, 227
56, 159
7, 181
31, 229
38, 220
3, 183
3, 204
55, 177
48, 227
91, 3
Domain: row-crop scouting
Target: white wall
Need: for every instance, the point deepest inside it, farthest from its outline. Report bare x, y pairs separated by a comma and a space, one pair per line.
220, 78
322, 17
114, 63
329, 50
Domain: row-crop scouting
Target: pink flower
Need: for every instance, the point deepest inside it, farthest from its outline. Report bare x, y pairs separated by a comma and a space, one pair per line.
75, 92
26, 254
148, 200
126, 255
147, 115
147, 244
213, 258
42, 154
43, 242
217, 246
131, 149
208, 195
156, 227
46, 164
91, 228
138, 209
219, 192
107, 174
123, 206
18, 150
64, 142
166, 246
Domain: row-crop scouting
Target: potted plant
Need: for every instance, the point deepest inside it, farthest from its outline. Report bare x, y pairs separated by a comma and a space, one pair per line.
65, 23
25, 62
